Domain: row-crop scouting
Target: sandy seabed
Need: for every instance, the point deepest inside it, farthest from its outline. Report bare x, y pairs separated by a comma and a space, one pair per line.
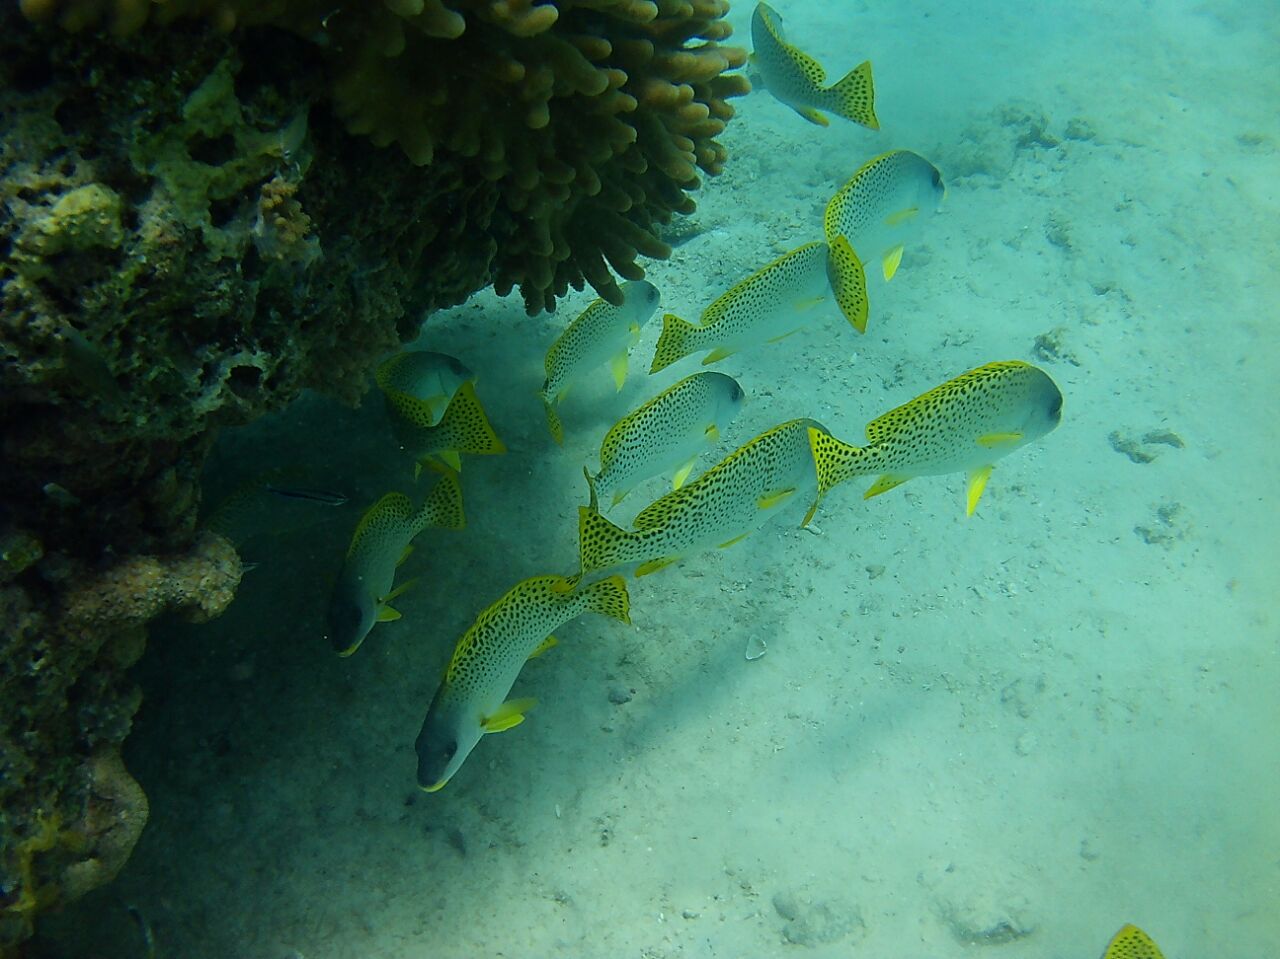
1007, 734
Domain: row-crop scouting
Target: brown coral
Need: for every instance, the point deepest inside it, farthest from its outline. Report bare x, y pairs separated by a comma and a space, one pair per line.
590, 118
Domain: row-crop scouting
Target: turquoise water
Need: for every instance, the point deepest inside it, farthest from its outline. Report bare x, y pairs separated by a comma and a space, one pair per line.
1007, 734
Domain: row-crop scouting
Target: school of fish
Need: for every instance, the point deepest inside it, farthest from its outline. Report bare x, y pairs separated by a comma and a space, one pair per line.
963, 426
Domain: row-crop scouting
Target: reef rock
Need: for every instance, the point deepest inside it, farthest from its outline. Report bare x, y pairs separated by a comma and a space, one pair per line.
207, 206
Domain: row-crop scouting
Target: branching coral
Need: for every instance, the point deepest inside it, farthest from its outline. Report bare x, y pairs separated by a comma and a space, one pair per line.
589, 118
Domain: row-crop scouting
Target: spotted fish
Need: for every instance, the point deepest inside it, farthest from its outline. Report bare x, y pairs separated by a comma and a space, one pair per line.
472, 698
868, 219
964, 425
1132, 943
797, 79
733, 498
431, 377
762, 308
463, 428
602, 332
667, 433
363, 592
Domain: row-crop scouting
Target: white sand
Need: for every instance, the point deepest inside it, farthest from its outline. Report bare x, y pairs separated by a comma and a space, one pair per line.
1032, 725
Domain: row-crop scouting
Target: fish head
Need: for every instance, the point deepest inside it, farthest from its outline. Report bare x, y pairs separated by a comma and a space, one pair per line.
448, 735
456, 368
348, 621
938, 189
642, 297
737, 396
1044, 403
730, 396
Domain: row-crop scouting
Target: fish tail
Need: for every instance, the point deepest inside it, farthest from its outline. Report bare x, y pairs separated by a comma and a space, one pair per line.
464, 428
553, 419
835, 462
673, 342
1131, 941
601, 544
854, 97
848, 282
443, 507
609, 598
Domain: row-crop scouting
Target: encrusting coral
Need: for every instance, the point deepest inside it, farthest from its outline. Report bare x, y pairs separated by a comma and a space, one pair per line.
207, 206
67, 707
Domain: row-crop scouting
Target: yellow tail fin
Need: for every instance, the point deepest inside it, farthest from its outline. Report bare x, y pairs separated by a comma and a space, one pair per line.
443, 507
848, 282
601, 544
854, 97
836, 461
464, 428
609, 598
673, 342
1132, 943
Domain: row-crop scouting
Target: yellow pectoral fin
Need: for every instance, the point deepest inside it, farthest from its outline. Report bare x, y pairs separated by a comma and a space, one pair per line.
712, 433
736, 539
808, 517
618, 366
782, 336
977, 483
813, 116
387, 615
848, 282
995, 440
901, 216
682, 474
405, 555
399, 590
808, 303
618, 497
644, 569
892, 260
544, 646
451, 459
773, 498
509, 714
885, 483
716, 355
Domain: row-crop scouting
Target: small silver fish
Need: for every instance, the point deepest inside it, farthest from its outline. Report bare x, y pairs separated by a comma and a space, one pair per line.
321, 496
